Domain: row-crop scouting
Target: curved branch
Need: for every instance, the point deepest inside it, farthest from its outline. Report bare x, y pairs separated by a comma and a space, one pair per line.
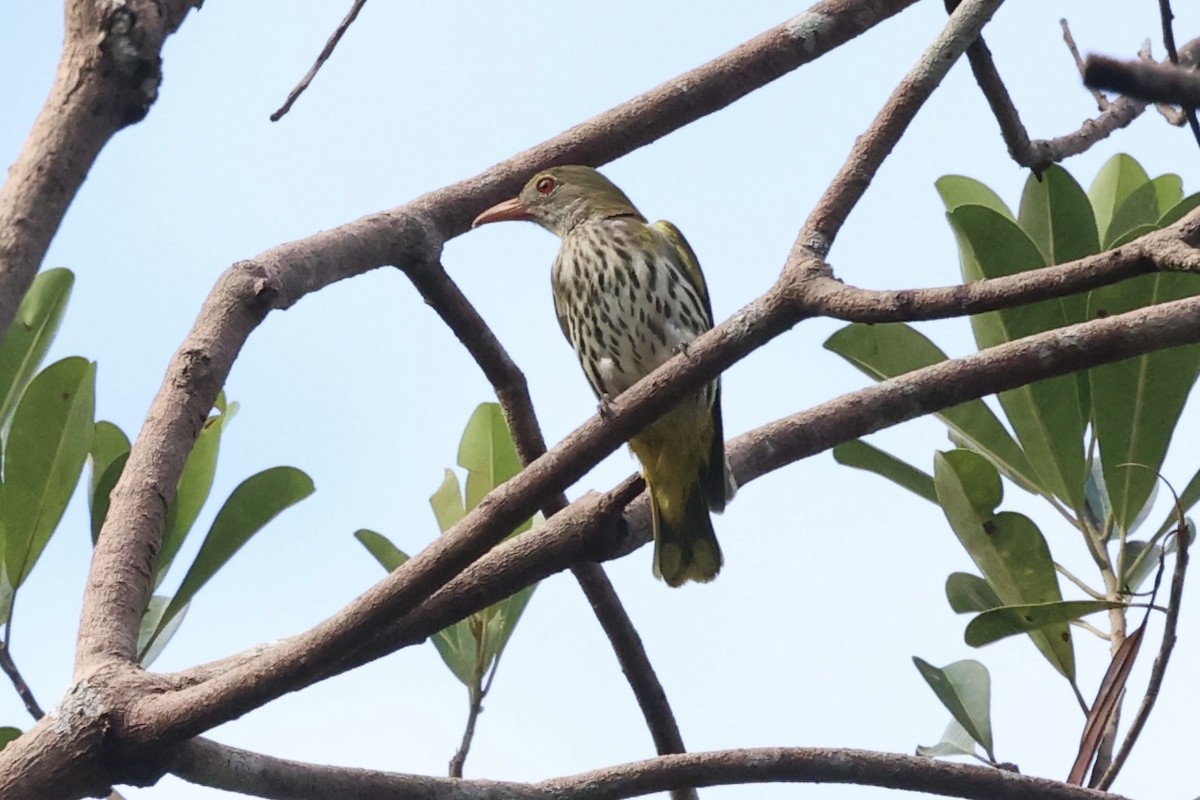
107, 78
229, 768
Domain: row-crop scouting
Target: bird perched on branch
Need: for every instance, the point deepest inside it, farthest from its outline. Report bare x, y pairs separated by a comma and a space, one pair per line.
629, 295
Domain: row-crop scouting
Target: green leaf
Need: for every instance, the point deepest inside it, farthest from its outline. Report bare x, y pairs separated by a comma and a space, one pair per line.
967, 593
1048, 416
1137, 402
455, 643
47, 445
999, 623
387, 554
965, 689
6, 597
8, 734
1179, 210
255, 502
487, 452
955, 742
886, 351
108, 443
447, 502
1168, 191
191, 493
862, 455
1120, 177
959, 190
1007, 547
1096, 503
101, 498
1057, 215
1136, 232
1140, 210
1140, 562
28, 338
502, 621
150, 645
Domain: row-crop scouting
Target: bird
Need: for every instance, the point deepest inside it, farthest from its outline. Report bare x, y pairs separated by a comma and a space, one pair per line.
629, 295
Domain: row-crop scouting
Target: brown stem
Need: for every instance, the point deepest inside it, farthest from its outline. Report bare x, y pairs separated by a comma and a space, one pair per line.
23, 691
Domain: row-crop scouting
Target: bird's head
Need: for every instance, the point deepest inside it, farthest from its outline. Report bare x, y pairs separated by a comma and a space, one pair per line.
560, 198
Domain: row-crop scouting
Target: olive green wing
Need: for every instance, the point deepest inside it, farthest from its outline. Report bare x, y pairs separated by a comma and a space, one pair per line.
718, 486
687, 258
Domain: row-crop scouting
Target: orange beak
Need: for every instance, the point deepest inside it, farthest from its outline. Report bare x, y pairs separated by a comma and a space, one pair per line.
502, 212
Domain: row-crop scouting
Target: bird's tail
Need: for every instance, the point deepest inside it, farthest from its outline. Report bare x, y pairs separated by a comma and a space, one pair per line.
685, 544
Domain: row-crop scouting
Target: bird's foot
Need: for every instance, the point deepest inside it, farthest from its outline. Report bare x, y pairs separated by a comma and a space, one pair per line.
604, 407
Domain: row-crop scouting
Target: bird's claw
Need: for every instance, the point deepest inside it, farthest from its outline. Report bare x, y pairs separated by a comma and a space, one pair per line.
604, 407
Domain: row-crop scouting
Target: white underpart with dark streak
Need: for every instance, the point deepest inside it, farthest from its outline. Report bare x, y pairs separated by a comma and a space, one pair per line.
624, 315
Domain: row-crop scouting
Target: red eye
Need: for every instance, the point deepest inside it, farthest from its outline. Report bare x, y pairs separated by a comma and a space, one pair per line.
546, 185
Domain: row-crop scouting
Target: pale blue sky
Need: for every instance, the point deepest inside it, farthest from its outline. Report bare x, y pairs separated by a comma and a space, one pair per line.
833, 579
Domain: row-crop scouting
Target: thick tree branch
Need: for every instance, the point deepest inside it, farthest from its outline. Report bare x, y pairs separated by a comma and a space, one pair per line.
107, 78
228, 768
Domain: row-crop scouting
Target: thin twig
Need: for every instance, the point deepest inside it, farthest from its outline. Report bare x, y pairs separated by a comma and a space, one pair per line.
23, 691
475, 694
1038, 154
1102, 102
326, 52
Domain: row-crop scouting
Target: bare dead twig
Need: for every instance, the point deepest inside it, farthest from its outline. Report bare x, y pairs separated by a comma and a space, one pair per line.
1101, 101
324, 55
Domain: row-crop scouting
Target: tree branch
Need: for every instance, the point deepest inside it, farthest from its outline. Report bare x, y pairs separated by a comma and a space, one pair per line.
875, 145
220, 767
107, 78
